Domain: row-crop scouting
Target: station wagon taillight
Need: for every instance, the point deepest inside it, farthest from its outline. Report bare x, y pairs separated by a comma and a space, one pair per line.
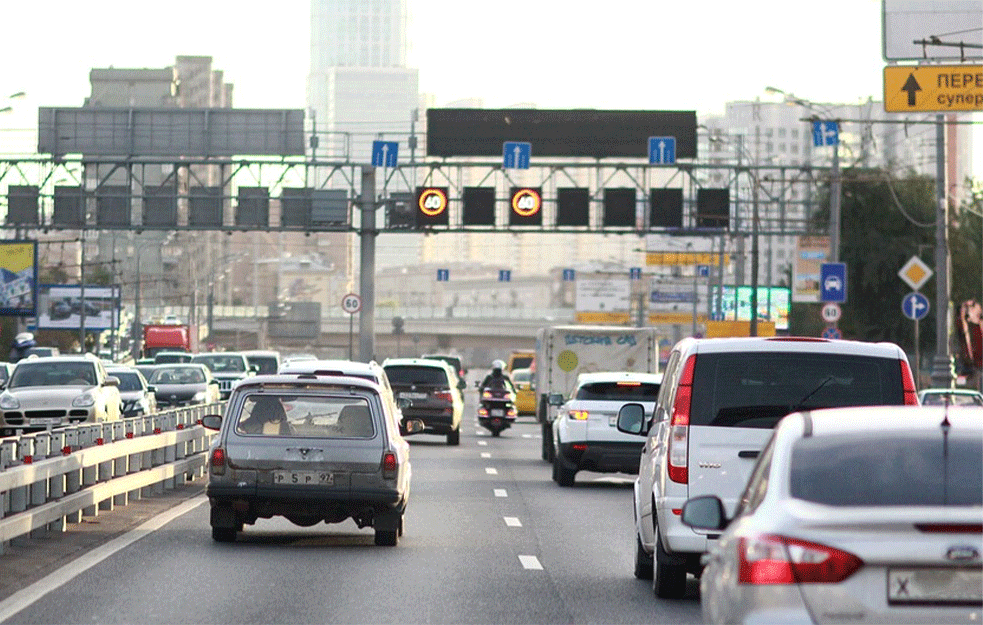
389, 465
908, 380
679, 425
774, 559
217, 461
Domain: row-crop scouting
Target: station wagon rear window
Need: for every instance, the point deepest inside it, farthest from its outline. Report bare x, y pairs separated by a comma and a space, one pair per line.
305, 416
757, 389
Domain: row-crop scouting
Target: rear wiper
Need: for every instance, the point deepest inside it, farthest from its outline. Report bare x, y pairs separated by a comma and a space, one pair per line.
802, 401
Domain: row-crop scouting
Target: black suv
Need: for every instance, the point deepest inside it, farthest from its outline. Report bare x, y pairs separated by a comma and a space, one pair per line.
428, 390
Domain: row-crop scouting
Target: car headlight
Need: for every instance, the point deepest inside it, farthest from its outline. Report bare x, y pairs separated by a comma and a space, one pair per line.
85, 400
9, 402
199, 396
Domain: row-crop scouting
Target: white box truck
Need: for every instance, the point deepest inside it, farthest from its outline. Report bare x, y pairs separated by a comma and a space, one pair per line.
564, 352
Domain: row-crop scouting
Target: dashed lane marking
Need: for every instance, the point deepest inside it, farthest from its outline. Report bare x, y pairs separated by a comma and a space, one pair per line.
512, 521
483, 443
486, 455
501, 492
530, 563
491, 470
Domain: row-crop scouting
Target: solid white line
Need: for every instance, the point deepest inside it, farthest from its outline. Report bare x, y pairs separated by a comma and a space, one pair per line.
530, 563
27, 596
486, 455
512, 521
501, 492
491, 470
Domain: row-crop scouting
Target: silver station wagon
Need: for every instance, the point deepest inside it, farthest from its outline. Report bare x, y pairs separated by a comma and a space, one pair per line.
309, 448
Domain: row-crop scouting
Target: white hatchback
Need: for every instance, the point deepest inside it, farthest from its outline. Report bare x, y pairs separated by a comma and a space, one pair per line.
585, 433
860, 515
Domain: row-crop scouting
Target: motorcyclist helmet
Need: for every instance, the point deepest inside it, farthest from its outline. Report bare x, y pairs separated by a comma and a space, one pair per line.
24, 340
498, 366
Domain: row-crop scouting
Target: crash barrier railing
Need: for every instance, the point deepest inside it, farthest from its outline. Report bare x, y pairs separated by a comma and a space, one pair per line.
52, 478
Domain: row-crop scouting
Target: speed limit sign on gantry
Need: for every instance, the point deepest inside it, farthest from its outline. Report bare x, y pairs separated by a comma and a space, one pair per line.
351, 303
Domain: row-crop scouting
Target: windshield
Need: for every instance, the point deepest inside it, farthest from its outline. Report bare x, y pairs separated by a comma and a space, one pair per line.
128, 380
53, 374
221, 364
411, 374
184, 375
756, 389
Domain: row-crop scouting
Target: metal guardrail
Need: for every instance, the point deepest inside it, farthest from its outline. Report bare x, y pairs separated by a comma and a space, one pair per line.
53, 478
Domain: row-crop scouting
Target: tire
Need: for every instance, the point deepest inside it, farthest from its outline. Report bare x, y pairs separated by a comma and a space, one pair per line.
224, 534
643, 561
563, 476
549, 451
454, 437
668, 580
387, 538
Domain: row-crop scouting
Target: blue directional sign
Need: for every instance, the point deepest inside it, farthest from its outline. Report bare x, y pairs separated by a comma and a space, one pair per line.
825, 133
914, 305
832, 332
516, 155
504, 275
832, 282
662, 150
569, 275
443, 275
384, 153
635, 273
703, 271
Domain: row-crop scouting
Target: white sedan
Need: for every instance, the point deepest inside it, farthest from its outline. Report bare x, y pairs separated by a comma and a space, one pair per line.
857, 515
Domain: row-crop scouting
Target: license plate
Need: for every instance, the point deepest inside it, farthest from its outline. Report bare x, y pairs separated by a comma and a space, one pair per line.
46, 421
497, 412
957, 586
304, 478
413, 395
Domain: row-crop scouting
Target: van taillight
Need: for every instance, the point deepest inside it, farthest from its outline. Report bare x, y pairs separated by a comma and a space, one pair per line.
679, 425
908, 380
774, 559
389, 465
217, 461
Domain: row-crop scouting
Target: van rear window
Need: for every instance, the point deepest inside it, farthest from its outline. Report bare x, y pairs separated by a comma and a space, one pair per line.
757, 389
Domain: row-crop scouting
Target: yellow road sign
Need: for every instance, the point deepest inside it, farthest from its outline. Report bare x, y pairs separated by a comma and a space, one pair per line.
939, 88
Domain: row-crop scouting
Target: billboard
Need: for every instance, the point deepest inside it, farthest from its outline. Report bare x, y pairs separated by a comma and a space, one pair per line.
62, 306
810, 254
19, 272
773, 305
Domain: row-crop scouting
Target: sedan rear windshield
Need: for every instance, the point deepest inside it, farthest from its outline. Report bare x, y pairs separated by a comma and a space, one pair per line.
618, 391
757, 389
127, 381
409, 374
889, 469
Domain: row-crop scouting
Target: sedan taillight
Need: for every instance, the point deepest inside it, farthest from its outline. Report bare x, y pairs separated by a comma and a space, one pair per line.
772, 559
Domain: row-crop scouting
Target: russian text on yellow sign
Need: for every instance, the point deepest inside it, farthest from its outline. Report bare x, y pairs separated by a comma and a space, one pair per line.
686, 259
940, 88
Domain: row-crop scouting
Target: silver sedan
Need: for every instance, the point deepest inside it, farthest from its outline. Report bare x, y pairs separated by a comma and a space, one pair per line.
853, 515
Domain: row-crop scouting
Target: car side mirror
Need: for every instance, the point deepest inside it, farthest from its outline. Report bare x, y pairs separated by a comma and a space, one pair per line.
403, 403
555, 399
214, 381
631, 419
151, 388
212, 421
111, 380
461, 384
253, 369
413, 426
705, 512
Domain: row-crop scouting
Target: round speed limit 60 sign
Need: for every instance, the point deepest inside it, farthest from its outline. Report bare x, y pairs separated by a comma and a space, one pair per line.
351, 303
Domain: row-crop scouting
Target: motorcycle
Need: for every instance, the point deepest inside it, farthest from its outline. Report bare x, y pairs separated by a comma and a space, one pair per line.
496, 408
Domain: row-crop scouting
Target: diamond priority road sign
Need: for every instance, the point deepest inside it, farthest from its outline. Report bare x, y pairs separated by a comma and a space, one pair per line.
939, 88
915, 273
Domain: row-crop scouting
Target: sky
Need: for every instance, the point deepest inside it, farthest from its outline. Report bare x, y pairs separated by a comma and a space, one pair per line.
616, 54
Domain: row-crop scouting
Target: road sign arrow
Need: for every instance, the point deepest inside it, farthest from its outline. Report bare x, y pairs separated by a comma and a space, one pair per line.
911, 86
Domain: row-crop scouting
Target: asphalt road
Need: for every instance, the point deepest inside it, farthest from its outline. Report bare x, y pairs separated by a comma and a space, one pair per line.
489, 539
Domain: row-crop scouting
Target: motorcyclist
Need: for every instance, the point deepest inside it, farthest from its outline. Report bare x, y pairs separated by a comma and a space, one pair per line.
498, 378
22, 342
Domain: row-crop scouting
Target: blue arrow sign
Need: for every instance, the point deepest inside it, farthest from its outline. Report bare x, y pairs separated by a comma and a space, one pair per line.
504, 275
825, 133
443, 275
384, 153
635, 273
832, 282
516, 155
703, 271
914, 305
569, 275
662, 150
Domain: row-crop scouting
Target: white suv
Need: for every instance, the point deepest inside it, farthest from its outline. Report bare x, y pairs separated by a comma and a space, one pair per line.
584, 432
720, 399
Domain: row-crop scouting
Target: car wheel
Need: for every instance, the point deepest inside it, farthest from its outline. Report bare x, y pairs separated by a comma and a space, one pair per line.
668, 580
454, 437
387, 538
549, 451
564, 476
224, 534
643, 561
